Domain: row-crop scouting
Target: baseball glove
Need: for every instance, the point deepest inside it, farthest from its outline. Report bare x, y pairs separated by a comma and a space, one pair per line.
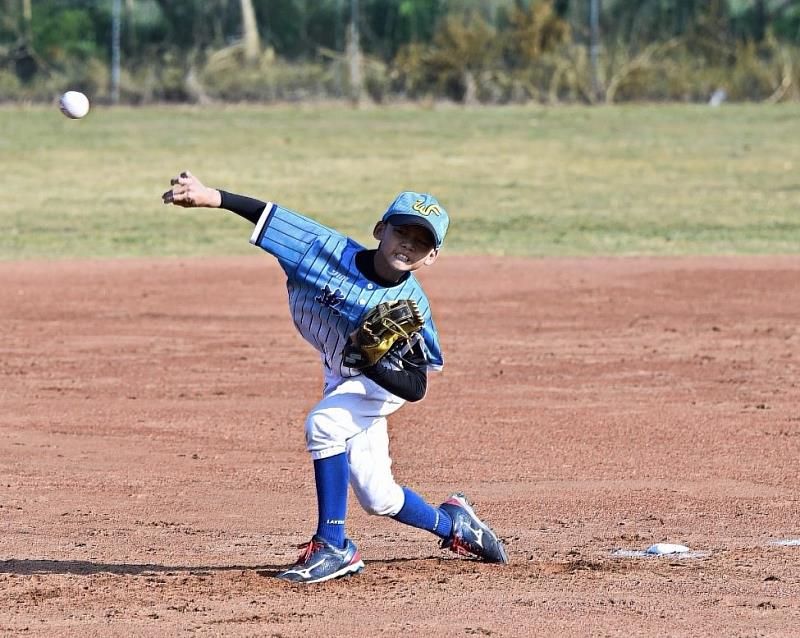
381, 328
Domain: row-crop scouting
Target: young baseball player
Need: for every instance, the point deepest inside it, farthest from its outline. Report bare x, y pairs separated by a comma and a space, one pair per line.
332, 282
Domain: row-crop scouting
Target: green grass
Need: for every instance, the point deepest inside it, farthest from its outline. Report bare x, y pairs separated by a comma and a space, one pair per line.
517, 180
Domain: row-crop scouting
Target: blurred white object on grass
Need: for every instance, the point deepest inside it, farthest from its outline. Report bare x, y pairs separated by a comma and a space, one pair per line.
718, 97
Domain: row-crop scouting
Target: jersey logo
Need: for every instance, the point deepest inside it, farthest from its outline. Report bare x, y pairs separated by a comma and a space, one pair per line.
431, 209
330, 298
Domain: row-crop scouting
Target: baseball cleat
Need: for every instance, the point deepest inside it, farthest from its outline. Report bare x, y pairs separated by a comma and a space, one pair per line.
470, 535
320, 561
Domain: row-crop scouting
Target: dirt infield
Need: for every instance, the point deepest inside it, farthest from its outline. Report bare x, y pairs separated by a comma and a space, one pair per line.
153, 476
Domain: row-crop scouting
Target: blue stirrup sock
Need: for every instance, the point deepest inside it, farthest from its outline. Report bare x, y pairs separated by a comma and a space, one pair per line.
417, 513
332, 476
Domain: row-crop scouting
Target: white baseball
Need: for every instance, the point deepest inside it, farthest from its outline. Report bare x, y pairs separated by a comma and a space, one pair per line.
74, 104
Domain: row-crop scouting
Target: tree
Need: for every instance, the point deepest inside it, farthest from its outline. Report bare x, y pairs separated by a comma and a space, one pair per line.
27, 16
252, 43
354, 54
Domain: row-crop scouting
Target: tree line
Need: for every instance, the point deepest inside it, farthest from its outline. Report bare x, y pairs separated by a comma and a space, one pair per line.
471, 51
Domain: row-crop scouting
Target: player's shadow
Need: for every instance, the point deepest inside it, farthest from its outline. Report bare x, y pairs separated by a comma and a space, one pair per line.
27, 567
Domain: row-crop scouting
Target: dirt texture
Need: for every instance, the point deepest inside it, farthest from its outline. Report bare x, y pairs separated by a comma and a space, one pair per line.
153, 476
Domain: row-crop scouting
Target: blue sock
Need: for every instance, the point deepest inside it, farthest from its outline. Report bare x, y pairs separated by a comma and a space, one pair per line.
332, 476
417, 513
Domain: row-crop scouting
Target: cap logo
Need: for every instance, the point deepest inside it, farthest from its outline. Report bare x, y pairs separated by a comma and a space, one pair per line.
420, 207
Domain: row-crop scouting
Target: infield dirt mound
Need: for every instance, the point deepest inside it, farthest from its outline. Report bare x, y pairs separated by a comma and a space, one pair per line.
153, 475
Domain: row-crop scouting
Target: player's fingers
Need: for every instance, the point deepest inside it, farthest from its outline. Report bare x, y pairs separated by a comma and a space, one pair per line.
168, 197
187, 174
183, 178
178, 199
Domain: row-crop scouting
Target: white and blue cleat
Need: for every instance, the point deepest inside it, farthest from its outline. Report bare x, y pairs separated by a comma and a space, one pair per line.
470, 535
320, 561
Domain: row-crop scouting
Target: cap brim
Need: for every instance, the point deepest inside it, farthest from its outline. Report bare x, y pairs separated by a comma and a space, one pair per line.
400, 219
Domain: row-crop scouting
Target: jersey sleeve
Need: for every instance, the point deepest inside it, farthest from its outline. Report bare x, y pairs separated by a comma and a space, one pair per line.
433, 351
286, 235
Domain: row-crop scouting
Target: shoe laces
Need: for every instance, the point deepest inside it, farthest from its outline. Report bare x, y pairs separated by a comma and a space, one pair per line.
460, 547
308, 550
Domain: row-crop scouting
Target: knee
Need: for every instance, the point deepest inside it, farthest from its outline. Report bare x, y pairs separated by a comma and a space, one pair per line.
386, 502
323, 431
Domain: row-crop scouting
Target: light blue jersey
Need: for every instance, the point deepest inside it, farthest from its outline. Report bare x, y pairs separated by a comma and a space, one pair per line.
328, 296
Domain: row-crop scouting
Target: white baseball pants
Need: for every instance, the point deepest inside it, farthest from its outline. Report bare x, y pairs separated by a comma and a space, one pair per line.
351, 419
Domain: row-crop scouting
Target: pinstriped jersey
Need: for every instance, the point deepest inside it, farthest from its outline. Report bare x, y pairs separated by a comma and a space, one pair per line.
328, 295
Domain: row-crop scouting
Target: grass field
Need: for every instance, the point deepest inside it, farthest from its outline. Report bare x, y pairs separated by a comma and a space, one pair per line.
524, 181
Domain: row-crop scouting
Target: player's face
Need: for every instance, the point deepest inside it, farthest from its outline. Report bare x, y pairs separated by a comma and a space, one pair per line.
402, 249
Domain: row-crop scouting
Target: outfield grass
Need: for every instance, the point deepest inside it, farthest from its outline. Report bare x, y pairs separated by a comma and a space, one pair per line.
517, 180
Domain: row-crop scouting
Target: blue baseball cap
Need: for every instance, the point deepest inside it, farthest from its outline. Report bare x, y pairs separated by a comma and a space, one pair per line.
419, 209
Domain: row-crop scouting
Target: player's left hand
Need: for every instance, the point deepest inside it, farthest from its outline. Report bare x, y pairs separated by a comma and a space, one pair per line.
189, 192
381, 328
352, 356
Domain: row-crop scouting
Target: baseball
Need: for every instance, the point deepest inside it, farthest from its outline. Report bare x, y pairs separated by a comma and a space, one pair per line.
74, 104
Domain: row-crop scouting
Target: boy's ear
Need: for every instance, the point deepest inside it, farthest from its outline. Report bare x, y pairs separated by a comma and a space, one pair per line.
431, 258
377, 232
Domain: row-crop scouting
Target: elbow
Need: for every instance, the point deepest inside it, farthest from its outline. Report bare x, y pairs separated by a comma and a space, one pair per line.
417, 392
414, 397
